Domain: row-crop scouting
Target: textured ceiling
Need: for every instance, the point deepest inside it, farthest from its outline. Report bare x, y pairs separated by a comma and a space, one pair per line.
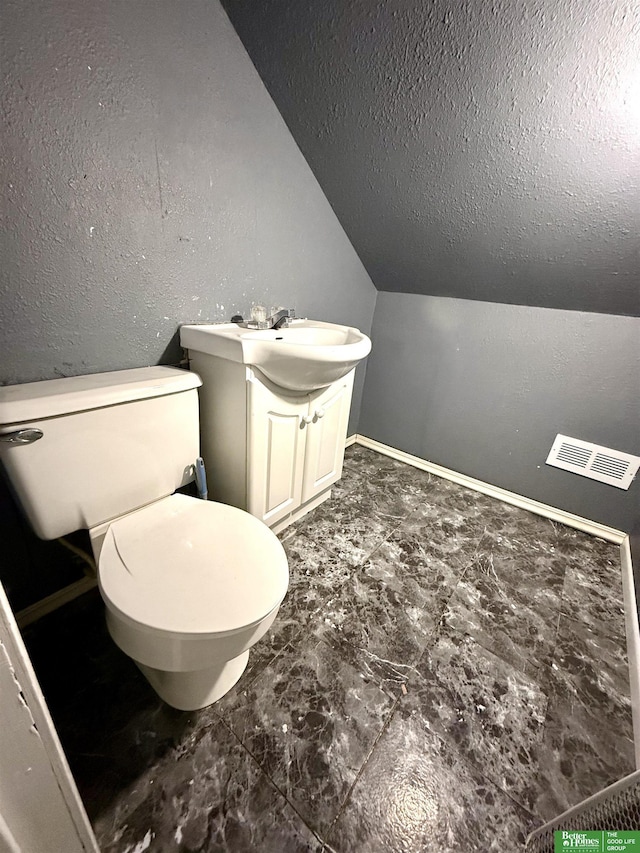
478, 150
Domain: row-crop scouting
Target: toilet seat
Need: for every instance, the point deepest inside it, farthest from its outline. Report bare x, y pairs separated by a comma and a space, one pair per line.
187, 567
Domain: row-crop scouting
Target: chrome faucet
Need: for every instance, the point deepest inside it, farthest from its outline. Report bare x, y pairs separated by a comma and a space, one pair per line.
259, 320
281, 318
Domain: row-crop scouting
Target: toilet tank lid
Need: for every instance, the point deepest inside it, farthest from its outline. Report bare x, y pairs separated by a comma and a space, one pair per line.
54, 397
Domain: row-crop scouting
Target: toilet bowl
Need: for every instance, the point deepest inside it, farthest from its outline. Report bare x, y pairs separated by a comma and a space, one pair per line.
188, 585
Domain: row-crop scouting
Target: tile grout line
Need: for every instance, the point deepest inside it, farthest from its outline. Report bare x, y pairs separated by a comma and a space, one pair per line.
364, 764
271, 782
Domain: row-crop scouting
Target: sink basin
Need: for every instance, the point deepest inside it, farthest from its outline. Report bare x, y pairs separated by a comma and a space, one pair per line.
301, 357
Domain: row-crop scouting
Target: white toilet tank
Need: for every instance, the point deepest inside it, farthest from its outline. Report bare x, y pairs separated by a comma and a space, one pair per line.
111, 443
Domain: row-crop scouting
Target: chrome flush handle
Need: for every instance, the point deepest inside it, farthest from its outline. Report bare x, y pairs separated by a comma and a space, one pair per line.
22, 436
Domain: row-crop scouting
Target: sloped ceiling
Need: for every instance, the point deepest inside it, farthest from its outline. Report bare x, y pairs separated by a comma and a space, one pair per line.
481, 150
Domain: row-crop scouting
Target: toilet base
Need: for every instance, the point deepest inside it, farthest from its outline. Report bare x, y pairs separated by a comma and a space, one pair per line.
190, 691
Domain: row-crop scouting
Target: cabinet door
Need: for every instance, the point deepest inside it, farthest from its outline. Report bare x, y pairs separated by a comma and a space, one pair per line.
326, 434
277, 436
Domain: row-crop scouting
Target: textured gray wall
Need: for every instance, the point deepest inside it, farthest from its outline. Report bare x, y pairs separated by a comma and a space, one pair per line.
487, 151
150, 181
484, 388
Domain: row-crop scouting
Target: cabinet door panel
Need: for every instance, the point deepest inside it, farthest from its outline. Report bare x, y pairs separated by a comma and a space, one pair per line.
277, 436
326, 436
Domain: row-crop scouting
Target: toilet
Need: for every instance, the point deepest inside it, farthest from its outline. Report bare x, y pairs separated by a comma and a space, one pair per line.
189, 585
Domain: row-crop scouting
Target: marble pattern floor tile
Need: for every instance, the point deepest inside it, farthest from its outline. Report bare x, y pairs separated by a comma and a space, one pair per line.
208, 796
593, 592
418, 794
492, 713
378, 631
445, 534
417, 570
317, 580
585, 748
593, 662
309, 722
509, 620
445, 673
353, 525
272, 644
367, 466
350, 528
588, 740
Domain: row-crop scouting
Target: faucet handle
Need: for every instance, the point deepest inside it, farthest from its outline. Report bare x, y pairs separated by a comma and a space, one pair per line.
258, 313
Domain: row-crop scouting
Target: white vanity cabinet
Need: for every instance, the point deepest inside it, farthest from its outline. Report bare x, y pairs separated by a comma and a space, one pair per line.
271, 453
295, 445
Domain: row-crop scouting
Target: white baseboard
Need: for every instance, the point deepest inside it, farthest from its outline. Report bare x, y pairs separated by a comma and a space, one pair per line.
54, 601
633, 639
571, 520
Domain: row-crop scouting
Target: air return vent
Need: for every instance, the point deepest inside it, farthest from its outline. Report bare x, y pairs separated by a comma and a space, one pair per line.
590, 460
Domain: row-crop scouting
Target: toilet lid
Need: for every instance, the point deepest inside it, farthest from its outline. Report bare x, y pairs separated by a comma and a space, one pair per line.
192, 567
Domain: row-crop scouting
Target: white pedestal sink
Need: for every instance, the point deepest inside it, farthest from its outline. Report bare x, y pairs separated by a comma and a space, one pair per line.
274, 411
301, 357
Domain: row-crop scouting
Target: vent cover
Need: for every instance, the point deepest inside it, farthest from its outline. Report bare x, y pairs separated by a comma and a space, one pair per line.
591, 460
